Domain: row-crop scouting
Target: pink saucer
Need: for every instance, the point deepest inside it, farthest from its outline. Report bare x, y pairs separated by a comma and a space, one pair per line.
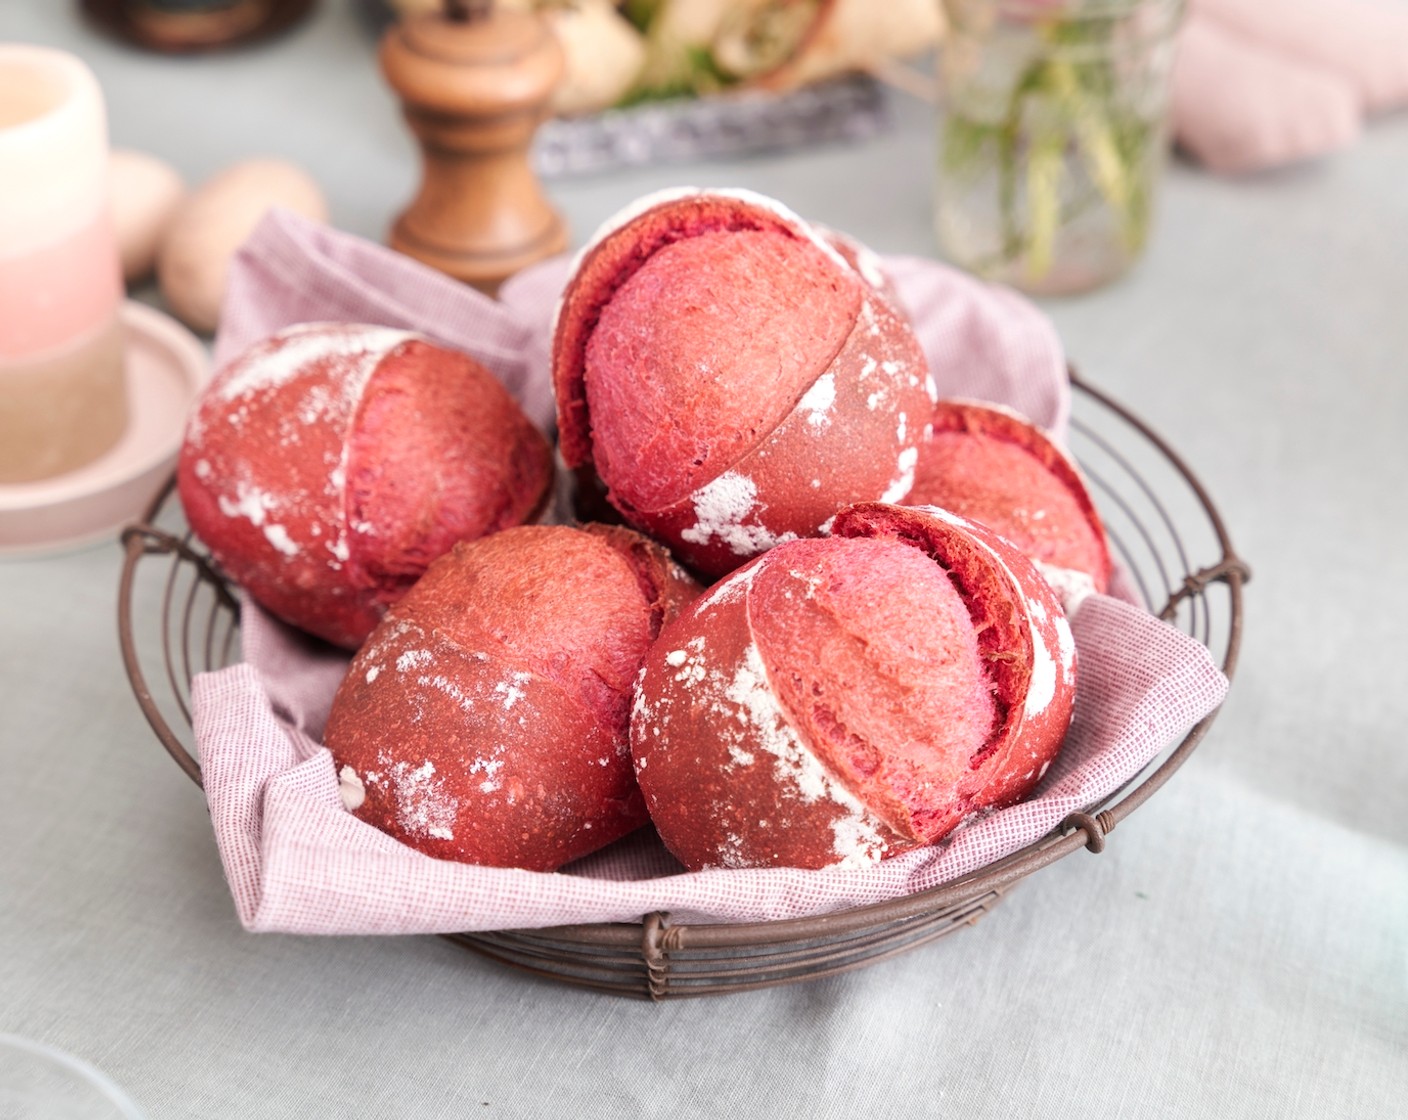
166, 366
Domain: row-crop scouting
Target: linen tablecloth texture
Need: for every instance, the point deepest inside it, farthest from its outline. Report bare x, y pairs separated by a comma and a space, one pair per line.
298, 862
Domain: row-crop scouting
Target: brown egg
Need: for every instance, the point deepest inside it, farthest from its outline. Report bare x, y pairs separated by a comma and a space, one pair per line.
212, 223
143, 194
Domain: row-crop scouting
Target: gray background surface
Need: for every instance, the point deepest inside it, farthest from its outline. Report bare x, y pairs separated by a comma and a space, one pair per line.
1239, 949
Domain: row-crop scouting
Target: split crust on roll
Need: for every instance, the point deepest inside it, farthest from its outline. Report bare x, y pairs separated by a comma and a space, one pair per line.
731, 379
842, 700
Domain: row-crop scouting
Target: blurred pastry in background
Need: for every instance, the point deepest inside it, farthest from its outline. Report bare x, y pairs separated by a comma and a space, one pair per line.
648, 50
604, 52
699, 46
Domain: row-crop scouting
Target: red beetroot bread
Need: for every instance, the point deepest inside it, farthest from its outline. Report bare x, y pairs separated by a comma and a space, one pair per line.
328, 465
845, 699
863, 261
731, 379
991, 464
485, 720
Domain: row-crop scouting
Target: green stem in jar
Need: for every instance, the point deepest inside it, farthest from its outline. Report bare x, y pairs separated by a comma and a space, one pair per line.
1046, 165
1091, 127
1112, 141
1013, 141
1062, 144
1136, 138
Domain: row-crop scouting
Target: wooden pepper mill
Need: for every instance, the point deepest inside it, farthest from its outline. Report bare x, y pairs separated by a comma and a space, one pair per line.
475, 83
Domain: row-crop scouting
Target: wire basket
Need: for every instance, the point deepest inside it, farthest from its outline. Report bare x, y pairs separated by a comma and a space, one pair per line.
177, 616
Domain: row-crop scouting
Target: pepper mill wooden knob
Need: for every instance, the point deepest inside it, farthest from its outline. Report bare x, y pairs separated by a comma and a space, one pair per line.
475, 83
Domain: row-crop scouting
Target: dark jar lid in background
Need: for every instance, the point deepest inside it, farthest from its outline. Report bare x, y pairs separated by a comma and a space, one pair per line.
185, 26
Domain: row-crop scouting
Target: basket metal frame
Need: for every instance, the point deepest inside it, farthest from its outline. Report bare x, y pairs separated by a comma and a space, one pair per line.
655, 958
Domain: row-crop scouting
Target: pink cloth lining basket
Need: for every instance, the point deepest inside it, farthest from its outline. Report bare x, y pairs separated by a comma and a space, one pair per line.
179, 617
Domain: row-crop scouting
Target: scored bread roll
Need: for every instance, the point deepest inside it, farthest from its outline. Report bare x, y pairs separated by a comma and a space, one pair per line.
842, 700
993, 465
485, 720
329, 464
730, 378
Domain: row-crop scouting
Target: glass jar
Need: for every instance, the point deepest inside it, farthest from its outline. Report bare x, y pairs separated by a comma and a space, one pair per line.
1053, 136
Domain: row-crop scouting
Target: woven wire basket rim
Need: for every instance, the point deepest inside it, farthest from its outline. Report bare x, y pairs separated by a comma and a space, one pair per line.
653, 957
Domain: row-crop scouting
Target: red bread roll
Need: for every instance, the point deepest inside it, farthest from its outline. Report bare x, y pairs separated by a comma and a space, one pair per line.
845, 699
329, 464
731, 379
485, 719
864, 261
991, 464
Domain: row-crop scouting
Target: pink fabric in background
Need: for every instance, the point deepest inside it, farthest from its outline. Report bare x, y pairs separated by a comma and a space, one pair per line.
1364, 43
298, 862
1238, 107
1260, 85
292, 270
